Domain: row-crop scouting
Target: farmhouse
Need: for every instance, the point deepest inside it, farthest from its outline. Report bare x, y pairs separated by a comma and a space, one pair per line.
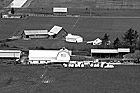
27, 34
74, 38
57, 32
47, 56
97, 41
60, 11
109, 53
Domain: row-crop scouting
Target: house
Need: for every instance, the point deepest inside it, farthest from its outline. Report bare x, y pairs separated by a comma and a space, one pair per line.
109, 53
49, 56
28, 34
60, 11
97, 41
74, 38
57, 32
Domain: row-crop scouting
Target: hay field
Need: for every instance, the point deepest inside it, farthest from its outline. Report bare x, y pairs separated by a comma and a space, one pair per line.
29, 79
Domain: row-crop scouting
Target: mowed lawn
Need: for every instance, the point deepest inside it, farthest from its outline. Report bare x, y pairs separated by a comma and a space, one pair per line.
89, 28
29, 79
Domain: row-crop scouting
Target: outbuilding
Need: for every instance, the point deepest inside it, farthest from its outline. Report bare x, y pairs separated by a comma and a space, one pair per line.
10, 54
60, 11
28, 34
109, 53
74, 38
97, 41
49, 56
57, 32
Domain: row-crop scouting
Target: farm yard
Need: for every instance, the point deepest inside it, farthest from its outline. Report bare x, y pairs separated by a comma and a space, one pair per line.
29, 79
87, 27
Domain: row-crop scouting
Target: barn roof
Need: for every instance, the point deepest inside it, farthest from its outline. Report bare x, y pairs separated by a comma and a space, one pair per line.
35, 32
60, 9
73, 36
55, 30
10, 51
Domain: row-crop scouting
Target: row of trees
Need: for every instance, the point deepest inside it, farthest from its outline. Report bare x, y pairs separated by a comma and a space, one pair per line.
129, 40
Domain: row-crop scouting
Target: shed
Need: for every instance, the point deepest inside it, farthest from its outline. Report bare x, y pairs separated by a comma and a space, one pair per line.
109, 53
10, 54
27, 34
60, 11
74, 38
46, 56
57, 32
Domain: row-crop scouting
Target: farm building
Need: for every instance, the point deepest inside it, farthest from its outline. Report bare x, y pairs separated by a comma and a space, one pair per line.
109, 53
57, 32
10, 54
97, 41
27, 34
60, 11
74, 38
47, 56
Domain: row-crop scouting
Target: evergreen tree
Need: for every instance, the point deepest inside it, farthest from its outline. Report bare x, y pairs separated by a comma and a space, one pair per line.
12, 10
105, 41
130, 39
117, 43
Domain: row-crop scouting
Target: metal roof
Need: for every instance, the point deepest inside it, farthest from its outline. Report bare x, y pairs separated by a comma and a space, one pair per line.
104, 51
73, 36
17, 3
55, 30
35, 32
9, 51
60, 9
110, 50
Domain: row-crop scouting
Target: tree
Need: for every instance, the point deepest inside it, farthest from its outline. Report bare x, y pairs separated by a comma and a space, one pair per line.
12, 10
117, 43
130, 39
105, 40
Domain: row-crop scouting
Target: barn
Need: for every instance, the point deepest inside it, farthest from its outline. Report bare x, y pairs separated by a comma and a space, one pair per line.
9, 55
28, 34
60, 11
109, 53
74, 38
97, 41
57, 32
49, 56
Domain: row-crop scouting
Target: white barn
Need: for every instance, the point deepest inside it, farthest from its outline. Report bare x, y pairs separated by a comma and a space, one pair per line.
60, 11
74, 38
49, 56
10, 54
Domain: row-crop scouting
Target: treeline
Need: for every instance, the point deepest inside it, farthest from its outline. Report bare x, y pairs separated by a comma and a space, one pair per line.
130, 39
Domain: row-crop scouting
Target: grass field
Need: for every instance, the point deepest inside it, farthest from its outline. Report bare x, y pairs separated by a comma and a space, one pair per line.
87, 27
28, 79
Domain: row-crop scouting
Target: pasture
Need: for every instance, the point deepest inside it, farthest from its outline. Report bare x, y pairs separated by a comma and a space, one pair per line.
87, 27
29, 79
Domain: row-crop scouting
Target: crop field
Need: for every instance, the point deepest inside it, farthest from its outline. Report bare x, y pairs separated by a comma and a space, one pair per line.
37, 79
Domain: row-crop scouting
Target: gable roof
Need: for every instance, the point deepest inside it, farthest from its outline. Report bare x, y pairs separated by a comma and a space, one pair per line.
73, 36
35, 32
55, 30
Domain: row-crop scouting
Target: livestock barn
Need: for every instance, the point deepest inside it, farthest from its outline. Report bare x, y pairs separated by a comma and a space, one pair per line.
109, 53
28, 34
9, 55
60, 11
49, 56
57, 32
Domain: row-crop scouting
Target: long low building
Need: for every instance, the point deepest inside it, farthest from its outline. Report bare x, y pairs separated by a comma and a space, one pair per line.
10, 54
109, 53
49, 56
